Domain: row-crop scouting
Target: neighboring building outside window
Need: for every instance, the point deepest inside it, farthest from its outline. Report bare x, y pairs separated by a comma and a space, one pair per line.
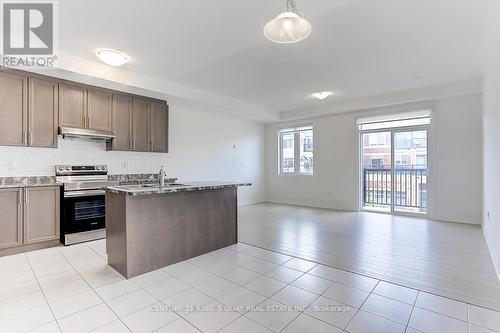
378, 139
377, 163
421, 161
296, 151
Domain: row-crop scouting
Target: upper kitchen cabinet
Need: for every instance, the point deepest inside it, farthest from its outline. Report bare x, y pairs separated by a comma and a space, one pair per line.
100, 110
43, 113
140, 124
35, 108
72, 105
122, 123
13, 109
159, 126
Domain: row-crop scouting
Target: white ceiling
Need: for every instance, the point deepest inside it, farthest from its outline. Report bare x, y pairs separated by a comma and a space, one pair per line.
359, 47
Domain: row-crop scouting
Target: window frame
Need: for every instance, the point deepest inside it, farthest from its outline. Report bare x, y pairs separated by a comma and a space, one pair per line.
296, 130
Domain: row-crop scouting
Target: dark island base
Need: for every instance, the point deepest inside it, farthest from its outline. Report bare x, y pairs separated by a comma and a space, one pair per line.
145, 233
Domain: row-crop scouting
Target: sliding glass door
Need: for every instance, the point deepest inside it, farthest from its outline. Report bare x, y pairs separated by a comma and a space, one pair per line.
394, 170
410, 171
377, 170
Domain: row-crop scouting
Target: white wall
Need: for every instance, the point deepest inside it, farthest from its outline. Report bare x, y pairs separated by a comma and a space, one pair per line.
455, 158
491, 123
203, 146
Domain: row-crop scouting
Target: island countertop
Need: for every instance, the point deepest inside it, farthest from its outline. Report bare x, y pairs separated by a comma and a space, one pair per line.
139, 190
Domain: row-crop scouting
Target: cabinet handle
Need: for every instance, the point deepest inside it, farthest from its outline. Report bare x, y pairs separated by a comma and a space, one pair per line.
25, 196
29, 139
19, 199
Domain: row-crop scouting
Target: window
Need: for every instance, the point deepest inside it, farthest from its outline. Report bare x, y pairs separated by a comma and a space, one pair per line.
288, 143
296, 151
377, 163
402, 159
308, 144
377, 139
421, 161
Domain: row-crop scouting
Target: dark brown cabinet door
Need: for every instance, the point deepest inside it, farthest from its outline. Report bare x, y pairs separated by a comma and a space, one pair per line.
41, 214
11, 222
159, 127
122, 122
13, 112
72, 106
100, 108
140, 124
42, 113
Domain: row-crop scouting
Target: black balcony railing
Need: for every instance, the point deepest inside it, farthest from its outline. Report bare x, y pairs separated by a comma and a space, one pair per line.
410, 187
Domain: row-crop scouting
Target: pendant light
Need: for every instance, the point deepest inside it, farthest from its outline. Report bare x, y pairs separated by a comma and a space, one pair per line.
288, 27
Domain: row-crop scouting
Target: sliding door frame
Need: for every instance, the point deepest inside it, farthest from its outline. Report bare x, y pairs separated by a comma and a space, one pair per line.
361, 184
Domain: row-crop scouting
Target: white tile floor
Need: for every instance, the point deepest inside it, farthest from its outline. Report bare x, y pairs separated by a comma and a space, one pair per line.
240, 288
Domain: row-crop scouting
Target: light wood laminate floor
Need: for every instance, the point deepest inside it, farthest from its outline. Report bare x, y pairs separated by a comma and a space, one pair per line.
448, 259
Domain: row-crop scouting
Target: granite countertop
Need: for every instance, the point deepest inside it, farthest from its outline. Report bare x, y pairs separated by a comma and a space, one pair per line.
37, 181
173, 188
138, 178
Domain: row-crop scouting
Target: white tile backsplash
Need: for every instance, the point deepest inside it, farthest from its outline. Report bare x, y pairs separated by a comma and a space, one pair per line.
25, 161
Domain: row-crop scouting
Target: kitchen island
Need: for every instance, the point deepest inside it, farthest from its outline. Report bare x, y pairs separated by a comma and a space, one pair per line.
150, 227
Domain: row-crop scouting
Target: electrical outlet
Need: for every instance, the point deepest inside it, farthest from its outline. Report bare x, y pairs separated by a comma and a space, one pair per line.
11, 165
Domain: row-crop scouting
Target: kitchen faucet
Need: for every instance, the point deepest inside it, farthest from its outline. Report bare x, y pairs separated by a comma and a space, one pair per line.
161, 177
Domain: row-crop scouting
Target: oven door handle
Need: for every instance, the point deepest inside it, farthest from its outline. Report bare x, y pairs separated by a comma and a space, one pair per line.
87, 193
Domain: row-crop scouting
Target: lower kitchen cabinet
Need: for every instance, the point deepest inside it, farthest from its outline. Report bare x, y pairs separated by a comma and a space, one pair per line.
11, 222
30, 217
41, 214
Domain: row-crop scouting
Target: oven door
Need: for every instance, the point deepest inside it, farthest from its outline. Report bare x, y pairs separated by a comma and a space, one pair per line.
83, 211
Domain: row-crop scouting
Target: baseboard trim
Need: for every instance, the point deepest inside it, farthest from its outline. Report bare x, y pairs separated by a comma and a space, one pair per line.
246, 203
29, 247
309, 205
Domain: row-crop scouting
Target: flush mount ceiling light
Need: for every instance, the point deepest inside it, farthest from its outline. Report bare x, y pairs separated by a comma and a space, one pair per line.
288, 27
322, 94
112, 57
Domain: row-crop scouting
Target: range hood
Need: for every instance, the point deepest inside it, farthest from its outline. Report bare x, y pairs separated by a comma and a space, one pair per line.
85, 133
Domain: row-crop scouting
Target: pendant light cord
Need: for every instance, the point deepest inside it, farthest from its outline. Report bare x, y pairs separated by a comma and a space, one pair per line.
290, 6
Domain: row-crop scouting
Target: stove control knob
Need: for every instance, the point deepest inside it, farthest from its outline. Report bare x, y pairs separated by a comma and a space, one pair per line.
68, 168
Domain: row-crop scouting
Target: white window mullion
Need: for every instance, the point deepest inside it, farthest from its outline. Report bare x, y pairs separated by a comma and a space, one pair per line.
296, 152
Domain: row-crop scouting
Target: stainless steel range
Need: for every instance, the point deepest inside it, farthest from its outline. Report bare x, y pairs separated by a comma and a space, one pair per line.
83, 210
